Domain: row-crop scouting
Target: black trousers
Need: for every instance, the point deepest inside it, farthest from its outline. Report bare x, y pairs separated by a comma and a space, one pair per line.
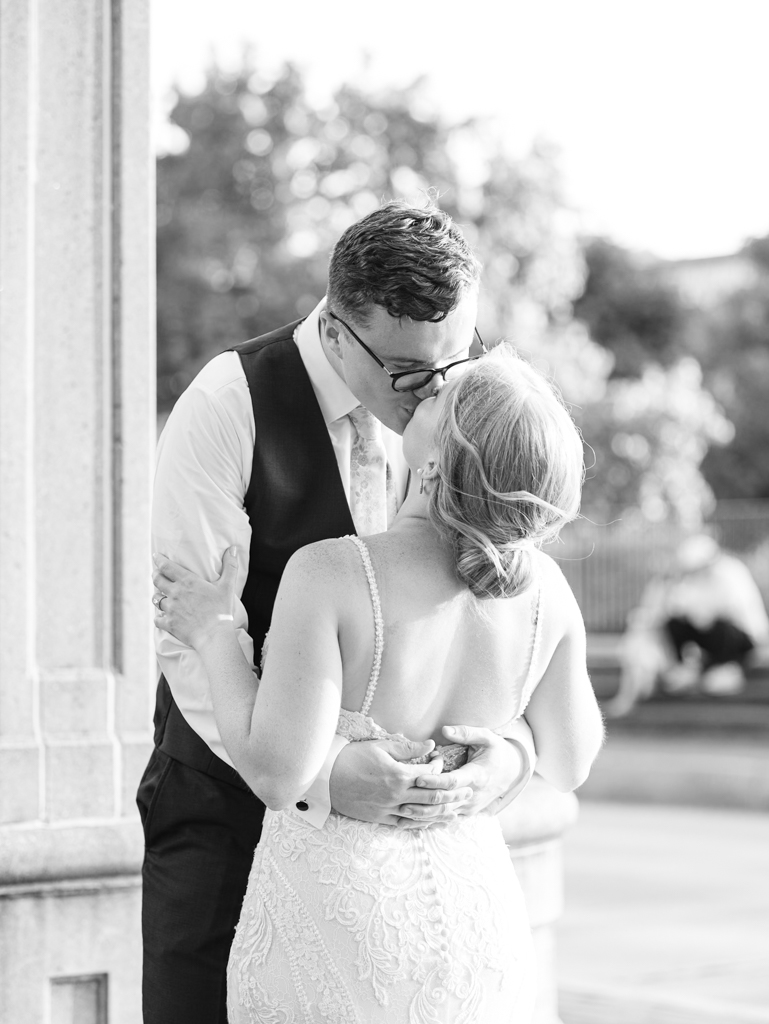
200, 832
720, 643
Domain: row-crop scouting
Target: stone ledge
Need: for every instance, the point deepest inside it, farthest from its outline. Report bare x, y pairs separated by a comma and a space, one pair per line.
71, 887
38, 853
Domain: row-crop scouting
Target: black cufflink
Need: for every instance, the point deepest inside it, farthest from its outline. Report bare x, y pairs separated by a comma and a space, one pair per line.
302, 805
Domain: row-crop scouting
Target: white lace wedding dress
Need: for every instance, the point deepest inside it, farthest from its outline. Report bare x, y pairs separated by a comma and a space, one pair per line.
362, 923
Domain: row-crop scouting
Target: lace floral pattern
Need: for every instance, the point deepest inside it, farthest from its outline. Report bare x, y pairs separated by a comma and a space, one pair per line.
373, 924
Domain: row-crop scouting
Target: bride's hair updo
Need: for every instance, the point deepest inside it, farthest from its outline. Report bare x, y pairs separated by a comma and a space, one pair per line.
509, 471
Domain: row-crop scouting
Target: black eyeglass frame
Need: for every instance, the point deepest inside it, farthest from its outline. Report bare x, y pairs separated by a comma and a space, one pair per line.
395, 377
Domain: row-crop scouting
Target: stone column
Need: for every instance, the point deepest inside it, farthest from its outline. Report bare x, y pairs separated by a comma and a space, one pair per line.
533, 826
76, 441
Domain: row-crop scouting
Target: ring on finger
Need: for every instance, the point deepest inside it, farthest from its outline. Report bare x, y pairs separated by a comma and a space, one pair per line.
157, 600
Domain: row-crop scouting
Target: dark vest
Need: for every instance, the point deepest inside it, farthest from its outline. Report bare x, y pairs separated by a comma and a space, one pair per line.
295, 497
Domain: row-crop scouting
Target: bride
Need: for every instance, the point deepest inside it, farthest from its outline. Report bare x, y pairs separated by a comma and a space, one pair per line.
453, 615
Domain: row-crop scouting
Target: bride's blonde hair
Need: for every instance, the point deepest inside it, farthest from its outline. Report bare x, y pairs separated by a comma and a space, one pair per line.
509, 471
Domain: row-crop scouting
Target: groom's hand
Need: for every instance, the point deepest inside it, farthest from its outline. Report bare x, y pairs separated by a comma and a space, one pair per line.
494, 766
370, 782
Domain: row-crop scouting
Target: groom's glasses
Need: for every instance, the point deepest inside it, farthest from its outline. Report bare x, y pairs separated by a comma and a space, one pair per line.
414, 380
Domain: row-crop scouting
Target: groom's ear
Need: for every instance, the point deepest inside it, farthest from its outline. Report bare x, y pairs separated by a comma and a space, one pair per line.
330, 335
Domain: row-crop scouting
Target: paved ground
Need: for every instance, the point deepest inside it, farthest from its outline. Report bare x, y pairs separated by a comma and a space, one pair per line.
667, 916
667, 870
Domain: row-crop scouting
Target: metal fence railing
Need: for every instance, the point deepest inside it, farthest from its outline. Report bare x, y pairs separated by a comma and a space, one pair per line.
609, 565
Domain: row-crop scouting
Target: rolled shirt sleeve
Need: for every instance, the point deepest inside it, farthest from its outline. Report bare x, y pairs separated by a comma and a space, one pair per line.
203, 469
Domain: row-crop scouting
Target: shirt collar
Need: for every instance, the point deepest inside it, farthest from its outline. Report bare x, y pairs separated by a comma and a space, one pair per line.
334, 397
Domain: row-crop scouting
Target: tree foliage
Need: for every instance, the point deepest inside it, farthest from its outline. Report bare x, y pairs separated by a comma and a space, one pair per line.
650, 435
639, 316
630, 308
733, 345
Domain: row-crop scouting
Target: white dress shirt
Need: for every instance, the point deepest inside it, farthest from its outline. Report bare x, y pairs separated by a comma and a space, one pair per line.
203, 471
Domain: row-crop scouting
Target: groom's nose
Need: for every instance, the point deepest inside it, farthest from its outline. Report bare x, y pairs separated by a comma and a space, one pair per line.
431, 388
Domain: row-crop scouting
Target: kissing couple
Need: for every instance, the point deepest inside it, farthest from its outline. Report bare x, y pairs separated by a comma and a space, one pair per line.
376, 497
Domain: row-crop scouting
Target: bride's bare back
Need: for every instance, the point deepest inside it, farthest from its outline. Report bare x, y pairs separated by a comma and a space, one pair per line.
449, 657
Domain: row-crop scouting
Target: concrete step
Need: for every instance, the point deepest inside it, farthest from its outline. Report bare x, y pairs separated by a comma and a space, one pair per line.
727, 769
745, 713
740, 714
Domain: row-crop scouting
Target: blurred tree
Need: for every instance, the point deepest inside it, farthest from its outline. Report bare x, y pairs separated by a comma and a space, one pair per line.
757, 249
650, 435
732, 341
630, 308
658, 425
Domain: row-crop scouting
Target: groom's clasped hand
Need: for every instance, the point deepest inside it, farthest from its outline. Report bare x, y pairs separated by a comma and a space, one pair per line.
409, 795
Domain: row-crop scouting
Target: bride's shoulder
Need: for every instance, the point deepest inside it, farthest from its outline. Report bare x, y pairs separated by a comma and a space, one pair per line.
549, 568
558, 594
326, 561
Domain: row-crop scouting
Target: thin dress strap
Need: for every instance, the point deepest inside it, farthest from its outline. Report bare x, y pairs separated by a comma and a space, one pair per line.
530, 680
378, 624
536, 633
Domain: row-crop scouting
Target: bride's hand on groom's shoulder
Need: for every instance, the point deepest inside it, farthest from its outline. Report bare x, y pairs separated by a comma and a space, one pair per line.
189, 607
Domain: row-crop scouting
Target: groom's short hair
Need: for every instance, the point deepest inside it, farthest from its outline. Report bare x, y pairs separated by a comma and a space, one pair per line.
412, 261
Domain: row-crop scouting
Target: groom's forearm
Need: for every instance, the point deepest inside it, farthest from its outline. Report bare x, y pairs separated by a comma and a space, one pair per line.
314, 806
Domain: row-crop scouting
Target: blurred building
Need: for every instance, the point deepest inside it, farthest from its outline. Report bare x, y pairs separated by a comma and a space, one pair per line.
707, 281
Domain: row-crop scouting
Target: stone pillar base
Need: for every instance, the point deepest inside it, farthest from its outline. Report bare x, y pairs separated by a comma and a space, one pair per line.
533, 826
70, 924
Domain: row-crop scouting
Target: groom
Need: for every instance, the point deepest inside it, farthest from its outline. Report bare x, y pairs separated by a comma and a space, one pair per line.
274, 446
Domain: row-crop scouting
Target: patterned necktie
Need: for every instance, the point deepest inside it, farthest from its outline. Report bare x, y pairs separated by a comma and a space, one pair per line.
372, 491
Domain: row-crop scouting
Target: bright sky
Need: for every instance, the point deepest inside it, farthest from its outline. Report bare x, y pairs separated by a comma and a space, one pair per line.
660, 108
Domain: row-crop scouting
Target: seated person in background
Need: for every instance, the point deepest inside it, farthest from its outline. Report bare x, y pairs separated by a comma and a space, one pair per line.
692, 629
714, 617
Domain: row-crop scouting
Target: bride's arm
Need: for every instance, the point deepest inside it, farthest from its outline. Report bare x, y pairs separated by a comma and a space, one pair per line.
563, 711
297, 708
278, 737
